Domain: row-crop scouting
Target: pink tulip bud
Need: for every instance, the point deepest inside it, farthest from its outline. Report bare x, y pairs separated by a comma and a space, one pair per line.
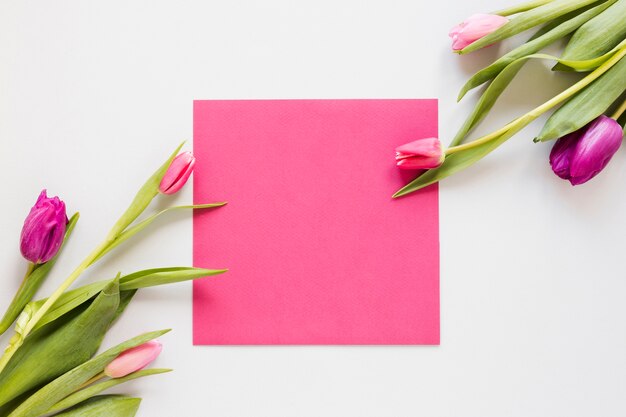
178, 173
581, 155
474, 28
420, 154
133, 359
44, 229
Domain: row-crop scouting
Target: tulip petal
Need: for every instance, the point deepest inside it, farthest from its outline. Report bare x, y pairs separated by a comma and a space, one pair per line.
420, 154
44, 229
178, 173
133, 359
599, 142
561, 155
474, 28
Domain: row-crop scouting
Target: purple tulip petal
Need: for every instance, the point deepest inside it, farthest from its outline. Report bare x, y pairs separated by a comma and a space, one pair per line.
599, 142
44, 229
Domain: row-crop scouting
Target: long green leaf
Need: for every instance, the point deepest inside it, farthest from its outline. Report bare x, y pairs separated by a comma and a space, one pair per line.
144, 196
504, 78
104, 406
92, 390
162, 276
531, 47
141, 279
133, 230
562, 19
527, 20
33, 281
591, 102
598, 35
59, 347
70, 381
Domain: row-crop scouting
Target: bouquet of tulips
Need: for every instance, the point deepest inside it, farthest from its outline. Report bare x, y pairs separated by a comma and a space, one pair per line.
50, 366
588, 125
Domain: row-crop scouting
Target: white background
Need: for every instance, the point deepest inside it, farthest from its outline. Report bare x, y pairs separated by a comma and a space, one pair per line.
93, 96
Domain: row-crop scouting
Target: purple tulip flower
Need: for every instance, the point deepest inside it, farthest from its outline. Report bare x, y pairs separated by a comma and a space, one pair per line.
581, 155
44, 229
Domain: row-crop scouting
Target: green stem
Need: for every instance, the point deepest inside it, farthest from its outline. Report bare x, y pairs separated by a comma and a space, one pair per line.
538, 111
522, 7
621, 109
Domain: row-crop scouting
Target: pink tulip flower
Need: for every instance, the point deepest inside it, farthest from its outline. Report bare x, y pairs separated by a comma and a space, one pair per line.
420, 154
178, 173
44, 229
474, 28
581, 155
133, 359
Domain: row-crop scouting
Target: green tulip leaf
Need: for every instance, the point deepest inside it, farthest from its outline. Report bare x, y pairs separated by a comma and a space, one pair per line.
104, 406
588, 104
54, 349
133, 230
504, 78
55, 391
527, 20
144, 196
33, 281
599, 35
92, 390
70, 300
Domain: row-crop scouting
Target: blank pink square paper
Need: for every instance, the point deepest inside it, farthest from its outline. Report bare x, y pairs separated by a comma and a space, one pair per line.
317, 250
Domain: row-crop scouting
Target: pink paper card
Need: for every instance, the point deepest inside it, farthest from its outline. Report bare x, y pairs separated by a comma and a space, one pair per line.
318, 252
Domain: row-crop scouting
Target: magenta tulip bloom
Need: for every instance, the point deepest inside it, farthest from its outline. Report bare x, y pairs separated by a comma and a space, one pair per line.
44, 229
178, 173
420, 154
581, 155
133, 359
474, 28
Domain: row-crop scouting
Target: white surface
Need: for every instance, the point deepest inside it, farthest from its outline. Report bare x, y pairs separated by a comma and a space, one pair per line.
95, 94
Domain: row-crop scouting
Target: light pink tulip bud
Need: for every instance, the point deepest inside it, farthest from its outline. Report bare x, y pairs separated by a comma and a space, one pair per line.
133, 359
178, 173
474, 28
420, 154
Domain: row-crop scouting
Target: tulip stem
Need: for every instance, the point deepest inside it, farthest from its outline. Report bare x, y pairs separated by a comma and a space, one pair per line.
620, 110
524, 120
522, 7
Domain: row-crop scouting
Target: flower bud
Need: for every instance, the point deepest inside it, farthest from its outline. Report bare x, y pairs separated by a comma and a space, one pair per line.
581, 155
474, 28
133, 359
44, 229
178, 173
420, 154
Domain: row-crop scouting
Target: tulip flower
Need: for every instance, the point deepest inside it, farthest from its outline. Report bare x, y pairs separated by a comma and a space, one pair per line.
44, 229
178, 173
420, 154
133, 359
581, 155
474, 28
